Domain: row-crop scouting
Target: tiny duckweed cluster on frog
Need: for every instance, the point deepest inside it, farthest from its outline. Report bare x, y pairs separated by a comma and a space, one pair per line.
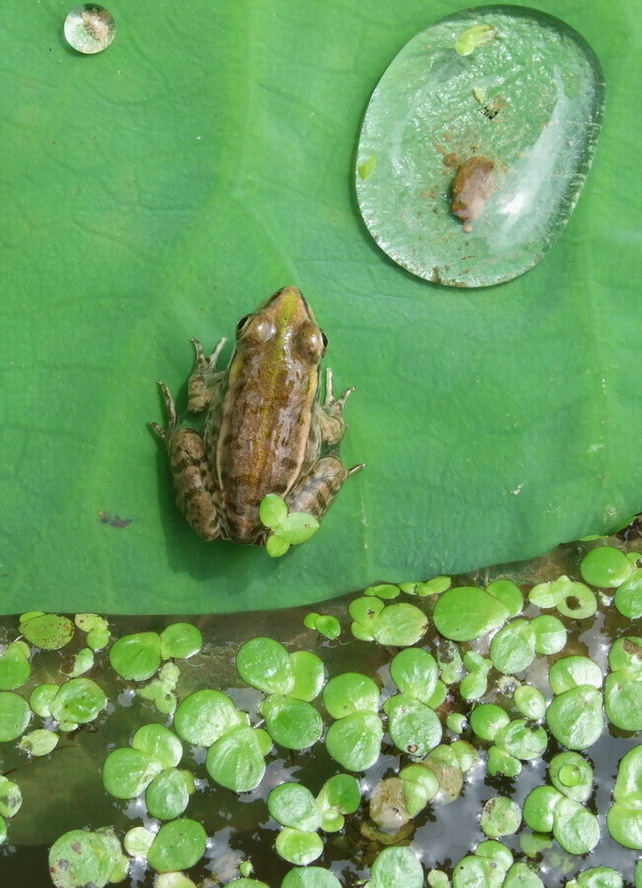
447, 705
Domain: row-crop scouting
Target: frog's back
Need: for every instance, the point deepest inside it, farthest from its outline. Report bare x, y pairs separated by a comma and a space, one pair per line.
262, 444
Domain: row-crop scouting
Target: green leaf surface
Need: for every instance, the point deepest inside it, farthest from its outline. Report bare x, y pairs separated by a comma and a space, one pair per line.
161, 189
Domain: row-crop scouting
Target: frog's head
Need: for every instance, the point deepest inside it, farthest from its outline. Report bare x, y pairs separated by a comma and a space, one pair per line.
285, 323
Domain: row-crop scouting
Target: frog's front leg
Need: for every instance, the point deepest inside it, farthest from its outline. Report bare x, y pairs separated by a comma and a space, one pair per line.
330, 415
205, 379
192, 479
315, 491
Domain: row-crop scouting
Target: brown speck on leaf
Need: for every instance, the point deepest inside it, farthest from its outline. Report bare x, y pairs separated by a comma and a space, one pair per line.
471, 188
113, 520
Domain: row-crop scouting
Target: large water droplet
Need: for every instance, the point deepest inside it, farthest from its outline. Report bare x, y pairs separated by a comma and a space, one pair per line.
89, 28
476, 144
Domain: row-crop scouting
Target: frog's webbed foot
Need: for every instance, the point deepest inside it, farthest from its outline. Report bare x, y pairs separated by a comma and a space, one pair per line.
192, 479
331, 421
204, 378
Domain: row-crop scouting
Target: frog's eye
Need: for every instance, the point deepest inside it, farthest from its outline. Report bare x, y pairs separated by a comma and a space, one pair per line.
311, 342
242, 324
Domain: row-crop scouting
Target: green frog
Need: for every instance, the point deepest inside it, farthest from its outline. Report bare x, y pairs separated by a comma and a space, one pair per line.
265, 428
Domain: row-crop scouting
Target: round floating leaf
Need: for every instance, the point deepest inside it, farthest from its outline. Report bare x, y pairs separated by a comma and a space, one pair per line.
598, 877
297, 528
572, 775
79, 700
513, 647
501, 762
539, 808
47, 631
550, 634
39, 742
41, 699
340, 794
473, 871
497, 852
355, 741
136, 657
292, 723
509, 594
400, 625
138, 841
474, 685
180, 880
521, 876
128, 772
310, 877
623, 701
273, 511
276, 545
298, 846
624, 823
10, 797
309, 675
522, 739
530, 702
628, 597
180, 640
205, 716
350, 692
420, 785
327, 626
178, 845
81, 662
575, 828
387, 805
606, 567
415, 672
365, 612
486, 720
14, 715
81, 858
413, 727
465, 753
265, 664
465, 613
424, 113
626, 655
579, 604
387, 591
168, 793
629, 778
291, 804
575, 717
236, 761
396, 866
500, 816
569, 672
15, 667
444, 761
159, 742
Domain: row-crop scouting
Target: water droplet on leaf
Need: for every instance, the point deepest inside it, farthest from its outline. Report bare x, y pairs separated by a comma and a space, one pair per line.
89, 28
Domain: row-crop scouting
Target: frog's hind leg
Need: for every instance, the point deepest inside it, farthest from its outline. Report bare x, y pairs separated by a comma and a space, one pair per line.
192, 479
204, 379
316, 490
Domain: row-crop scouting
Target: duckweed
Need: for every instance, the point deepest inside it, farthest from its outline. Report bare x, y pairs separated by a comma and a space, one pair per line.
426, 719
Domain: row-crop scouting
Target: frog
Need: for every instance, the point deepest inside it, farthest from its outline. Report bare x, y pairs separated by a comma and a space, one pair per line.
266, 430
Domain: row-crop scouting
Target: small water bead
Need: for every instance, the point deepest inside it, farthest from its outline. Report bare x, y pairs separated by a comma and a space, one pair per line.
89, 28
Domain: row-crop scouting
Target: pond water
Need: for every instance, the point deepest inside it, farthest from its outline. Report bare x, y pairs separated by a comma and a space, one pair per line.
63, 789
